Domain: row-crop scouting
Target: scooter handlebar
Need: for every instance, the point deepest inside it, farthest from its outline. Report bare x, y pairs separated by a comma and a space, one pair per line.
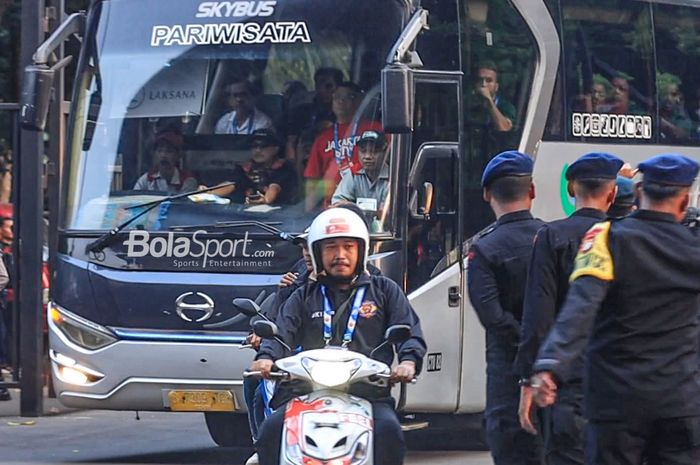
273, 374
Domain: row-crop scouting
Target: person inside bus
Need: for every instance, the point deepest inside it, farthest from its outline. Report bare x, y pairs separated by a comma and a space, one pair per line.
244, 117
339, 244
675, 120
368, 187
166, 175
597, 100
500, 113
333, 153
622, 104
307, 119
265, 178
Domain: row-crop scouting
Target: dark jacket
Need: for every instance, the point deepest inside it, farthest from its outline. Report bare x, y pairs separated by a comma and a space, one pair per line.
498, 263
300, 322
551, 264
636, 294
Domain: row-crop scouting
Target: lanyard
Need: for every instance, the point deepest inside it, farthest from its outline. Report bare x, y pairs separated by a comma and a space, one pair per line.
352, 319
234, 123
338, 150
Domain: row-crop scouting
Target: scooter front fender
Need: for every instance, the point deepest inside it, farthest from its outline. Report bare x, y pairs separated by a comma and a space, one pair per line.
326, 425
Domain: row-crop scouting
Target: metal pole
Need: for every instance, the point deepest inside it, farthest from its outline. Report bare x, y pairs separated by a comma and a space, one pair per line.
30, 228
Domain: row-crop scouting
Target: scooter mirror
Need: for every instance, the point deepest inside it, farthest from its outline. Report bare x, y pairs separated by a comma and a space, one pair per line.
397, 334
246, 306
265, 329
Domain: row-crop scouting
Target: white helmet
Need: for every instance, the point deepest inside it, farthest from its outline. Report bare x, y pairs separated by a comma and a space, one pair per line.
338, 222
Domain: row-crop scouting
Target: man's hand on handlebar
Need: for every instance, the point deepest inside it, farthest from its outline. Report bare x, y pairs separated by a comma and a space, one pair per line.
264, 366
254, 340
404, 372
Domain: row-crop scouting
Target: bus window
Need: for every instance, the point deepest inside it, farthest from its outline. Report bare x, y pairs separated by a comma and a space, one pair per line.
498, 67
608, 72
677, 81
434, 193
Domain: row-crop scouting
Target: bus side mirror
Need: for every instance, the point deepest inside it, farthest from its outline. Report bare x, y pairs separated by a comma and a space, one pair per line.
397, 99
36, 96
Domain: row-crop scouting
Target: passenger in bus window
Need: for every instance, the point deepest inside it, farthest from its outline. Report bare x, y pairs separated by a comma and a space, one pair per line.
166, 174
333, 153
501, 113
265, 178
243, 118
622, 104
368, 187
675, 121
308, 118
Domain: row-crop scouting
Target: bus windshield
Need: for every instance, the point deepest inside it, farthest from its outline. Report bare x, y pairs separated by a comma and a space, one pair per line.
268, 97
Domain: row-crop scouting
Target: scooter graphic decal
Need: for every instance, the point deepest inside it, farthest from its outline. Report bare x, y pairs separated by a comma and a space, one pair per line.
292, 417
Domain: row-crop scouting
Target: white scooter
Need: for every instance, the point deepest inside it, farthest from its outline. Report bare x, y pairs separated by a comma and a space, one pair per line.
328, 426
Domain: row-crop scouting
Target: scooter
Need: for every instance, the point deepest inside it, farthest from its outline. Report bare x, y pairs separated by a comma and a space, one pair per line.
328, 426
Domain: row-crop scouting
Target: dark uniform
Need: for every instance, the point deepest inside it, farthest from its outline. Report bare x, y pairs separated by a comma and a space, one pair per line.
635, 291
497, 272
551, 264
300, 323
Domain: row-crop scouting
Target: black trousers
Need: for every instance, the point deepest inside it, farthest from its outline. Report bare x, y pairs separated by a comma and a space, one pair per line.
669, 441
564, 428
509, 443
389, 445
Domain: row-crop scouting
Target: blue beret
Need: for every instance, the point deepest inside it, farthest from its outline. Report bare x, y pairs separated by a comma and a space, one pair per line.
670, 169
625, 190
510, 163
594, 166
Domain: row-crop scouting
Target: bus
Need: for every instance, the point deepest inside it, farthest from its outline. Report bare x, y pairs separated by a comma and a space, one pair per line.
141, 313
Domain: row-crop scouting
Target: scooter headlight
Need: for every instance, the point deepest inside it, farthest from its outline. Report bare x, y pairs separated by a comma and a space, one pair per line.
330, 374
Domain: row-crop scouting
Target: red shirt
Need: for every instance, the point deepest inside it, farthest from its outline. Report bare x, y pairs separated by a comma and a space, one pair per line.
322, 162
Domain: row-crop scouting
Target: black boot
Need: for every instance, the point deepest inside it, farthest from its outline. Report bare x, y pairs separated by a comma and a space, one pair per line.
5, 394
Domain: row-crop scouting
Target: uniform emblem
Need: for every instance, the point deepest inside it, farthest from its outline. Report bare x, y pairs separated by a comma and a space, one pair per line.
589, 239
368, 309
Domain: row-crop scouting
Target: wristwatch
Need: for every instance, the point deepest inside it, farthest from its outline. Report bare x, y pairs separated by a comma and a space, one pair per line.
524, 382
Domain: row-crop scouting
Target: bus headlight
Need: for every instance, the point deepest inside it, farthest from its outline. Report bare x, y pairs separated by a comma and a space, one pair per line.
71, 372
80, 331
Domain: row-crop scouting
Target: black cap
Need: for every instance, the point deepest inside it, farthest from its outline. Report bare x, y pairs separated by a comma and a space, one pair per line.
268, 136
372, 137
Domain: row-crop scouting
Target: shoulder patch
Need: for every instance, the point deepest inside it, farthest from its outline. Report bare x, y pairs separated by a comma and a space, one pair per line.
594, 257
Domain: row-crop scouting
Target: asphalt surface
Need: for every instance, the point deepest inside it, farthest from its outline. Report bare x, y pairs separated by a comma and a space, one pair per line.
106, 437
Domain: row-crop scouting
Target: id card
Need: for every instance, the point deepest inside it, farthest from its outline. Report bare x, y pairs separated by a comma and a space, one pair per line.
367, 203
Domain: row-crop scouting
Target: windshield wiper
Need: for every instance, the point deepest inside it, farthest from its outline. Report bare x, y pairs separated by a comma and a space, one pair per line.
269, 227
107, 238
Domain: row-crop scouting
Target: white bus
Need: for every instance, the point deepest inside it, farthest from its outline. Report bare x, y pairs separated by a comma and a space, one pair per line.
142, 319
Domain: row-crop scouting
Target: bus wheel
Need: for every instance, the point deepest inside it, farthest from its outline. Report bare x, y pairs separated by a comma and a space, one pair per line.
229, 429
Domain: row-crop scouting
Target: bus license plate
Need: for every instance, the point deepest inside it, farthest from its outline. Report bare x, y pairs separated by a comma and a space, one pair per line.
201, 401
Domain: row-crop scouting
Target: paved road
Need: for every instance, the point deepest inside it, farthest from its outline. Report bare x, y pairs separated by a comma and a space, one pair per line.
157, 438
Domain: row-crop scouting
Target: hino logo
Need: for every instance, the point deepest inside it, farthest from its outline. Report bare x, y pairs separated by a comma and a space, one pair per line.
207, 307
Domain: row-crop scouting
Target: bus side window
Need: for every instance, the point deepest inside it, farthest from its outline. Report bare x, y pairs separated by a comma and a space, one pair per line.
677, 81
608, 69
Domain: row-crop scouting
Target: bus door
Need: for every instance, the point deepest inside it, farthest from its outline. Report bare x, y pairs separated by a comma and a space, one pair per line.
434, 272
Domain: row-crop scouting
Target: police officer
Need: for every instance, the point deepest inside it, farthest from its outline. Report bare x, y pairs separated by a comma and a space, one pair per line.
625, 199
591, 181
633, 304
339, 244
498, 263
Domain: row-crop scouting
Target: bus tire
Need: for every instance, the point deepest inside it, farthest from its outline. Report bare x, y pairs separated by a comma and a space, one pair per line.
447, 432
229, 429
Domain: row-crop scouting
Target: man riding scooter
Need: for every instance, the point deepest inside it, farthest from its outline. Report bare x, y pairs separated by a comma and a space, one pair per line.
344, 307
